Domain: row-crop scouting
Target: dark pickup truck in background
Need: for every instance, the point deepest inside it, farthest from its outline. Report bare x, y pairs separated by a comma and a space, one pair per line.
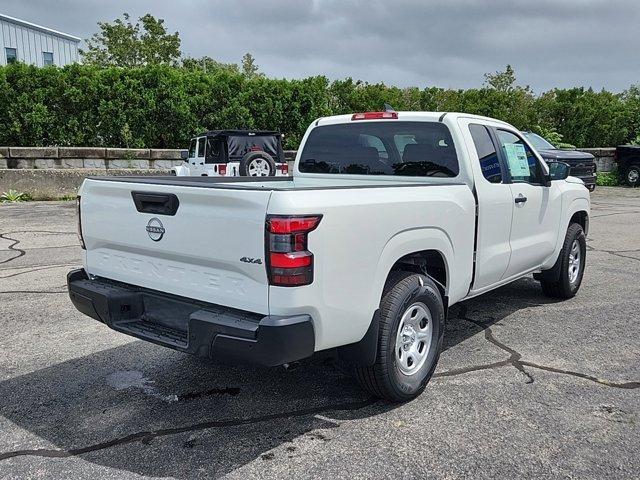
628, 158
582, 164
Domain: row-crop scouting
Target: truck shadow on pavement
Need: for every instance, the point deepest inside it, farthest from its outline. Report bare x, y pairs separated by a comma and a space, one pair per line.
152, 411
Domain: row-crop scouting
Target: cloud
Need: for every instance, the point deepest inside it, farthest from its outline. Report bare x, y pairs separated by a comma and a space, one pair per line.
448, 43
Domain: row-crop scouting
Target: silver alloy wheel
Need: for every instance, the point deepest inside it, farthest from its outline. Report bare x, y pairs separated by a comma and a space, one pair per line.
413, 339
259, 167
575, 257
633, 176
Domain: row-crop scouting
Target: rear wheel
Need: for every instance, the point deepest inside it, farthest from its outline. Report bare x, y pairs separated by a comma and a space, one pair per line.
409, 339
633, 176
572, 261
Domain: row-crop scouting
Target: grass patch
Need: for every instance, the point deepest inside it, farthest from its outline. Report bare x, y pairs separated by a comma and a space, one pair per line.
13, 196
607, 179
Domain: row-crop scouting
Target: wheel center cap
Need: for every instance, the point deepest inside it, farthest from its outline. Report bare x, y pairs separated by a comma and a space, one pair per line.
408, 336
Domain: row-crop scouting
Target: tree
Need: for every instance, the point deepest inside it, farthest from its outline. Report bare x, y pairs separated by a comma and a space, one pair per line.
209, 65
249, 67
124, 44
501, 81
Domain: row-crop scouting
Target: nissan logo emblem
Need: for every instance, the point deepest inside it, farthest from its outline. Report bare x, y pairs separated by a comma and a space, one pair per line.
155, 229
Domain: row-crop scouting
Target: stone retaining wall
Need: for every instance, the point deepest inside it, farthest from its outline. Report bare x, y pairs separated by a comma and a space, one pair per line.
605, 158
88, 157
49, 184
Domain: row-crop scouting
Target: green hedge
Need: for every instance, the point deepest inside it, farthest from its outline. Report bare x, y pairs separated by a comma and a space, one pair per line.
163, 107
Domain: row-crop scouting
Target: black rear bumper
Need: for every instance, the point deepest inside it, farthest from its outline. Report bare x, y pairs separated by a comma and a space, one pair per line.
191, 326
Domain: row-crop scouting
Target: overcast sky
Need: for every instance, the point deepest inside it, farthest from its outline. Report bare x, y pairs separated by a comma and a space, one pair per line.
446, 43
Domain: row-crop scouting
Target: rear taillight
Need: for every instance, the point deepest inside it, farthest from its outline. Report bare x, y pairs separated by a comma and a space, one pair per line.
289, 262
284, 168
222, 169
375, 116
79, 223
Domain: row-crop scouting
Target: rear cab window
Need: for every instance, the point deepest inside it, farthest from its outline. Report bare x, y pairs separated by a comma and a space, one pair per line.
400, 148
487, 154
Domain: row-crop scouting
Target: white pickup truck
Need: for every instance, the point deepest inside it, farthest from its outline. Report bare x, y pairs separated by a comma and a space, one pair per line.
389, 219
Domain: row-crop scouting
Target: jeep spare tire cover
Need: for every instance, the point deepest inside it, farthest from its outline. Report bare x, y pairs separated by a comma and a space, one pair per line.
257, 164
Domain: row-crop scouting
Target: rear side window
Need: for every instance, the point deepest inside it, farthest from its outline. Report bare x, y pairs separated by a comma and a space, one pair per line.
487, 154
417, 149
192, 148
213, 150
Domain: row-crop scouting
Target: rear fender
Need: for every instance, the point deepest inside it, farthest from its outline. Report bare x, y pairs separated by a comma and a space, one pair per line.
405, 243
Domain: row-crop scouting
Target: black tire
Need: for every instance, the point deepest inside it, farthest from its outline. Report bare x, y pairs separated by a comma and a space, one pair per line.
250, 157
564, 287
632, 177
592, 188
384, 378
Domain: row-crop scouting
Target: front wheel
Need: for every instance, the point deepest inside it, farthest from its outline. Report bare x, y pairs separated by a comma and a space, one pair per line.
410, 337
571, 262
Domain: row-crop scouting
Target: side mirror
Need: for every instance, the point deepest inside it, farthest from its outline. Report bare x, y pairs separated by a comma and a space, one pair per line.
558, 170
184, 154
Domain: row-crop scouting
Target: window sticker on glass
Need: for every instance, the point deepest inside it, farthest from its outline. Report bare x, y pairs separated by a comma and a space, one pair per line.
517, 158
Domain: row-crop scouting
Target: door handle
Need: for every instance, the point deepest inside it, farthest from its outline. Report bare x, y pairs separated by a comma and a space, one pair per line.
520, 199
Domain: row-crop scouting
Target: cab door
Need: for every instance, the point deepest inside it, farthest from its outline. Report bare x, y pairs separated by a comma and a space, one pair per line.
494, 204
536, 207
197, 157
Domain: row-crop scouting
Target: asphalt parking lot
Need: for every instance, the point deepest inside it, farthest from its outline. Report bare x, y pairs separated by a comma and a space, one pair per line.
526, 387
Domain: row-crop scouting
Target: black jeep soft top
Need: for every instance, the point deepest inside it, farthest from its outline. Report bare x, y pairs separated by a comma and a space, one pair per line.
233, 145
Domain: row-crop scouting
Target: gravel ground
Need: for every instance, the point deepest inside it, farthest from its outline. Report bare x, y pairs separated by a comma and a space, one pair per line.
526, 387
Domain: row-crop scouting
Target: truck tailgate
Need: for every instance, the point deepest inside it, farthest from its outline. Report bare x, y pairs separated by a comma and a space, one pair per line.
195, 253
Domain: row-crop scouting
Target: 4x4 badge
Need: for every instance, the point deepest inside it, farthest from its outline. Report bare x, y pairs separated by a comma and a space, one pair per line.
251, 260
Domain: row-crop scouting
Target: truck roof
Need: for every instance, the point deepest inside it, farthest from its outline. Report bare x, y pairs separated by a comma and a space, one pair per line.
409, 116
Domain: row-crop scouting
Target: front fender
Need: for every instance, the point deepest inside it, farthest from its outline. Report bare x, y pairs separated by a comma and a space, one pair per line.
575, 205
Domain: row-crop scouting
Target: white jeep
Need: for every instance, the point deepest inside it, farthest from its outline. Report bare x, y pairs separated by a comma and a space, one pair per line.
233, 153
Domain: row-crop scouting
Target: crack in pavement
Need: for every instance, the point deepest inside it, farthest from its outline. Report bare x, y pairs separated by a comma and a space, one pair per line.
616, 253
148, 435
22, 252
515, 360
12, 247
615, 213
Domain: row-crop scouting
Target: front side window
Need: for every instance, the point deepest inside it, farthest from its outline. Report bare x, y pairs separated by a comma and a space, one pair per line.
12, 55
487, 154
47, 58
201, 142
521, 161
417, 149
